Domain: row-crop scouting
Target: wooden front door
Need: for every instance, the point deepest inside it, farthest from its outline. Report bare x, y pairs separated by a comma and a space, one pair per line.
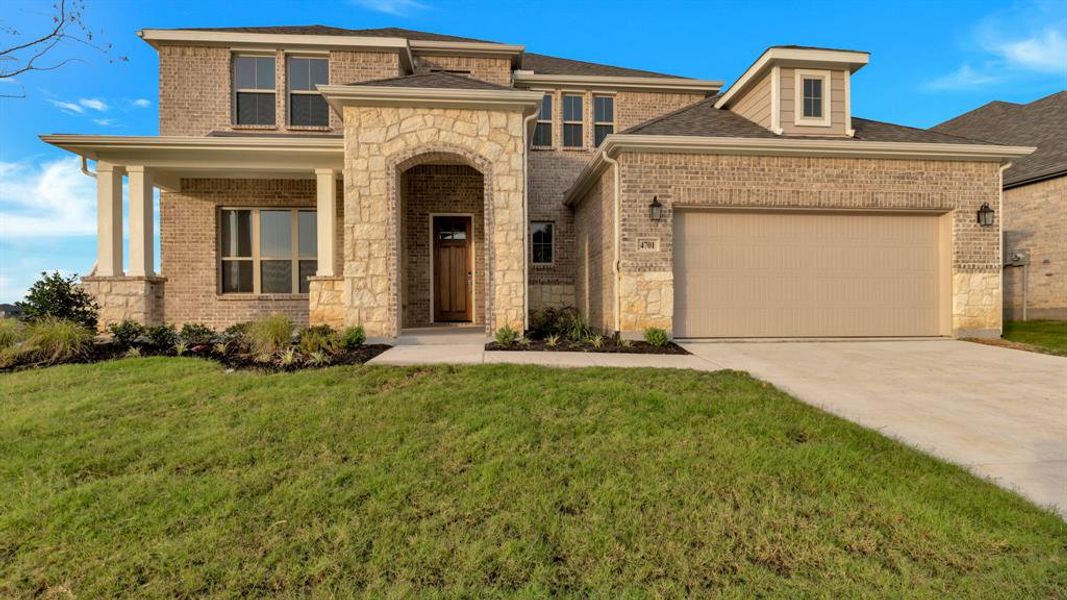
452, 270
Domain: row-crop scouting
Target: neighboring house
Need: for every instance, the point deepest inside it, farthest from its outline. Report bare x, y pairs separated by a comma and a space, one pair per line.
1035, 200
9, 311
398, 179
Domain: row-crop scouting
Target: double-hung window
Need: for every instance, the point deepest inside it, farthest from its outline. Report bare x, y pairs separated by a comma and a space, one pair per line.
266, 250
253, 84
572, 121
543, 131
307, 107
603, 118
541, 234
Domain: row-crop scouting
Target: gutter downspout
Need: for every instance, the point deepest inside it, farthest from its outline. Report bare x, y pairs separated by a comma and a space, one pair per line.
616, 294
526, 219
85, 171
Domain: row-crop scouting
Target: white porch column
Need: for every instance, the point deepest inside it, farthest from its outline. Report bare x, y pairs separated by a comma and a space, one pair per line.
108, 219
326, 220
142, 260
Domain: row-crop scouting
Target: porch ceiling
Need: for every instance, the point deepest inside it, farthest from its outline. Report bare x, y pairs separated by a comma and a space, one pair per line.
174, 157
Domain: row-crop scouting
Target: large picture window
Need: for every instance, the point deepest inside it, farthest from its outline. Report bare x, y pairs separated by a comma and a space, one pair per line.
307, 107
266, 250
572, 121
603, 118
543, 130
541, 234
253, 84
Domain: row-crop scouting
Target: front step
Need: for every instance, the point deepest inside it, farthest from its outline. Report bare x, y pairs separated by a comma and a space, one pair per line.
442, 336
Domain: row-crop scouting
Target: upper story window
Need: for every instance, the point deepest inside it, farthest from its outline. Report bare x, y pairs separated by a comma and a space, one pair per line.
572, 121
813, 98
253, 84
603, 118
543, 132
541, 243
266, 250
307, 107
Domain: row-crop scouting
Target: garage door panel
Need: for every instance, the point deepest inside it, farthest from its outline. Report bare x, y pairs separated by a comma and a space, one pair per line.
806, 275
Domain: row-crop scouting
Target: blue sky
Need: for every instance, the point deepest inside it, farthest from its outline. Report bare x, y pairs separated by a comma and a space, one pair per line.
929, 62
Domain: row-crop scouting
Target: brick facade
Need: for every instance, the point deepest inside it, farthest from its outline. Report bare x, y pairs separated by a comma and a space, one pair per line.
491, 69
700, 180
1035, 219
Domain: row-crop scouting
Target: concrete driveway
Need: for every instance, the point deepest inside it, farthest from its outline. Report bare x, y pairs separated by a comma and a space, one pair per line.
1001, 413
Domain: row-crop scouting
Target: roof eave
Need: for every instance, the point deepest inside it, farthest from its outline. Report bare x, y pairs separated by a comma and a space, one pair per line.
853, 59
848, 148
339, 96
1053, 174
676, 84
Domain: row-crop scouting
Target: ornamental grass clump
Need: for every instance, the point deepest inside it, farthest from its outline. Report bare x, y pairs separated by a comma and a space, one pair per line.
11, 333
53, 340
269, 335
320, 338
506, 336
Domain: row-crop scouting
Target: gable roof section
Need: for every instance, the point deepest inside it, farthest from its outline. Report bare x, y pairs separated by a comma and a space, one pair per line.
439, 80
704, 120
385, 32
1041, 123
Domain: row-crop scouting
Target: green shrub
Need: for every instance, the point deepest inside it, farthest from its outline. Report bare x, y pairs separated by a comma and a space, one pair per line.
506, 336
60, 297
125, 334
318, 359
161, 337
53, 340
270, 334
353, 337
565, 322
552, 341
11, 332
320, 338
657, 337
195, 334
235, 337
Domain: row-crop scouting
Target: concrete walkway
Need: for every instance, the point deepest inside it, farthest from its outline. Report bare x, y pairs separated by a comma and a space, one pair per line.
467, 354
1002, 413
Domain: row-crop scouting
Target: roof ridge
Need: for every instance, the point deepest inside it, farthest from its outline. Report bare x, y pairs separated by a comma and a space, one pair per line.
932, 130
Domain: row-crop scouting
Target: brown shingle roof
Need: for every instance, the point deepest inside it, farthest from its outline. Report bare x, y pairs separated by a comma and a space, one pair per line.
385, 32
434, 80
553, 65
1041, 123
703, 119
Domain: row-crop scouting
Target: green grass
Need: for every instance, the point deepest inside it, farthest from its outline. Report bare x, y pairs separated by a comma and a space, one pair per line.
1045, 336
164, 477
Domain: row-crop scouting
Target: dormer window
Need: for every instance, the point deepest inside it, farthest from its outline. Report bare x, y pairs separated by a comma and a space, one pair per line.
253, 84
813, 98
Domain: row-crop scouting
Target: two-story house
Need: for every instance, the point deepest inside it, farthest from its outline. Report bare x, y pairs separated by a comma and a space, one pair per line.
398, 179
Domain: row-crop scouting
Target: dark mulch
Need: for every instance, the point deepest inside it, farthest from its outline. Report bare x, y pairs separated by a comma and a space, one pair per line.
610, 346
101, 351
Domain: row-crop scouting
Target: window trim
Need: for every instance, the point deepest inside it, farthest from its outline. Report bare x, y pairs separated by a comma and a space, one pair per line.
799, 75
551, 122
236, 90
551, 244
289, 91
602, 123
564, 122
256, 258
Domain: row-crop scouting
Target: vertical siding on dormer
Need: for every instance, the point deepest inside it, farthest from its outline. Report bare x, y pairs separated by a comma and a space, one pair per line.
755, 104
838, 117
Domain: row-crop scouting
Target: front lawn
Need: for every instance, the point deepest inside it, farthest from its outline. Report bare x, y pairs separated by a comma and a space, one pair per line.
1044, 336
164, 477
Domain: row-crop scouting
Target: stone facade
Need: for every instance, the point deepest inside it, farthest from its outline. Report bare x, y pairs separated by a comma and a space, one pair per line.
381, 143
697, 180
137, 299
189, 249
326, 301
1035, 220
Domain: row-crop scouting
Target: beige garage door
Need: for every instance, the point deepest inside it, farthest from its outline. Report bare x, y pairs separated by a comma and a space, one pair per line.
770, 274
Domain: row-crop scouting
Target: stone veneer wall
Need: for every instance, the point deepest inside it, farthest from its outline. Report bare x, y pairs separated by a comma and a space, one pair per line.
196, 87
438, 189
124, 298
189, 249
679, 180
1035, 219
380, 143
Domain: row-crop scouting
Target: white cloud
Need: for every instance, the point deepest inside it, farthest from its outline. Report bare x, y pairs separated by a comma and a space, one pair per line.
104, 122
1044, 52
93, 103
46, 200
67, 107
965, 77
398, 8
142, 103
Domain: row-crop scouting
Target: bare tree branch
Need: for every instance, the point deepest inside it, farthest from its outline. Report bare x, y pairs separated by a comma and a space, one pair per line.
69, 29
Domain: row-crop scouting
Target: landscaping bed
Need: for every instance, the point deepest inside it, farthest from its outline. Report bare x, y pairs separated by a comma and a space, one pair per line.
565, 330
608, 345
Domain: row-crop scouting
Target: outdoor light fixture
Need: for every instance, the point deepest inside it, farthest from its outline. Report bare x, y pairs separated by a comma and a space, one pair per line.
655, 210
985, 215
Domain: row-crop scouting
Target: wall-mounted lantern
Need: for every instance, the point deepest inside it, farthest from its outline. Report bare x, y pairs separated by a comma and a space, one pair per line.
985, 215
655, 210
